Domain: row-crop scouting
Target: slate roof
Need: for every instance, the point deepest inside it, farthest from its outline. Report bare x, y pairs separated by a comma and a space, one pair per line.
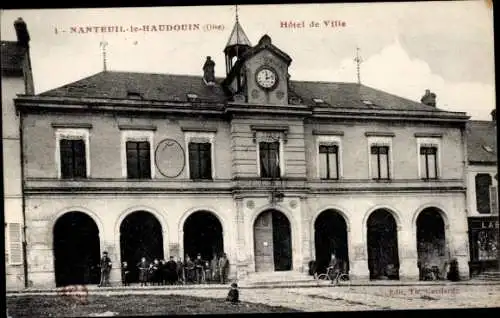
353, 95
11, 57
154, 87
168, 87
481, 137
238, 36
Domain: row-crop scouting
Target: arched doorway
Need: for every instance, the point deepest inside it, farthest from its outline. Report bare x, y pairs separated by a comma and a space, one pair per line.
272, 242
330, 237
382, 237
141, 235
431, 243
76, 250
203, 235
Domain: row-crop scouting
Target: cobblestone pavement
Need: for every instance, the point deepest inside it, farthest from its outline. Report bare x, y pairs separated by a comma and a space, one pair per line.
345, 298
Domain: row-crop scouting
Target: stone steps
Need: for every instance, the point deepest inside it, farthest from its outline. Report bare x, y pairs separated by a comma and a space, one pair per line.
488, 276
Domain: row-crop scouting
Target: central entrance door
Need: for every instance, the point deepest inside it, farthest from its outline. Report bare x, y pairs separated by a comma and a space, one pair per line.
272, 242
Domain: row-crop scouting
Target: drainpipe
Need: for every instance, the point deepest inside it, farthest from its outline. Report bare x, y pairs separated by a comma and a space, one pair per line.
463, 131
23, 200
497, 222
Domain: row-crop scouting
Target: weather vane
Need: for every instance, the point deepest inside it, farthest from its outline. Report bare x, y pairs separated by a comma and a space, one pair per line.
237, 31
103, 45
358, 61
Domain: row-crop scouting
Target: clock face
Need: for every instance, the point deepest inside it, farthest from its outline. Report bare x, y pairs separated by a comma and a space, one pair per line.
267, 78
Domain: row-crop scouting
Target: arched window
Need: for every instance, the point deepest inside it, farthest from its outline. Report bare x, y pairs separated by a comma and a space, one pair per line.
483, 183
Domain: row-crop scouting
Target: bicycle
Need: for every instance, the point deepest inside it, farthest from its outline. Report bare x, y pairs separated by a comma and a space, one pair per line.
336, 279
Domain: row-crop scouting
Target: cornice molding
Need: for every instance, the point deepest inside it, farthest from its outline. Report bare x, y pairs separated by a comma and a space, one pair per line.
72, 125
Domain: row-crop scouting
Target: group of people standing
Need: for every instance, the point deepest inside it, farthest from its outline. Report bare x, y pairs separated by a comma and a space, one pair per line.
162, 272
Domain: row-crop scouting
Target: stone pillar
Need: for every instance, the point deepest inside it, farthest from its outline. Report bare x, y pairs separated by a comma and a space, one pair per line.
460, 251
408, 256
241, 257
40, 255
113, 249
306, 232
358, 259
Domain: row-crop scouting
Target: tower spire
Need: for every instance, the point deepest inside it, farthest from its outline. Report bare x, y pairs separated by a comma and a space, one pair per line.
103, 45
237, 44
358, 61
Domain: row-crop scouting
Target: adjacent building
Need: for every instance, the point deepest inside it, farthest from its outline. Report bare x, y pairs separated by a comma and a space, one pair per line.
272, 171
16, 79
482, 194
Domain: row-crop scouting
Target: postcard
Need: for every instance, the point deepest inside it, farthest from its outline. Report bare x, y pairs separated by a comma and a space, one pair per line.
250, 159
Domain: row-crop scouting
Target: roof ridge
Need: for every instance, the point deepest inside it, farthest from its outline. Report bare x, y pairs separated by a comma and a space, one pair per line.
324, 82
163, 74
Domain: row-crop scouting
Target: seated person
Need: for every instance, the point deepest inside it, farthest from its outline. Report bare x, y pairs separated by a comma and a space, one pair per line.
234, 295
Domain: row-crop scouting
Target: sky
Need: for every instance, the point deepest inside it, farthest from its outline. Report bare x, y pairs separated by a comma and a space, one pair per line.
406, 48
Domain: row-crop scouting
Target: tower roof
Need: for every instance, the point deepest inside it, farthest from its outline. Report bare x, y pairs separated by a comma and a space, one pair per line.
238, 36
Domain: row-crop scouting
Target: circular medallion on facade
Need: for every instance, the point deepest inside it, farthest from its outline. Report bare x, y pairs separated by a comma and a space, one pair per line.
293, 204
250, 204
280, 94
170, 158
255, 93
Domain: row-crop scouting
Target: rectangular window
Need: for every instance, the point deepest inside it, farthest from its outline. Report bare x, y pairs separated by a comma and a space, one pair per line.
380, 162
15, 244
73, 159
200, 160
428, 162
328, 160
483, 184
138, 160
269, 153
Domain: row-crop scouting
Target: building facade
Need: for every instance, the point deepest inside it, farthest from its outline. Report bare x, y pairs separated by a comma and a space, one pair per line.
482, 194
16, 79
271, 171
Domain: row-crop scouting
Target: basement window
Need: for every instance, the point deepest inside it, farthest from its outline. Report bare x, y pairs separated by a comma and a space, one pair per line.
134, 95
488, 148
192, 97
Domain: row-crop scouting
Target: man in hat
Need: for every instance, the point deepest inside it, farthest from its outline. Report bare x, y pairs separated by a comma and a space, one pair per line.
333, 269
171, 271
223, 268
143, 266
198, 265
105, 266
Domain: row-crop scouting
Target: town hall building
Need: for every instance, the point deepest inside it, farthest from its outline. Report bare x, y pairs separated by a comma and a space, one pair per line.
272, 171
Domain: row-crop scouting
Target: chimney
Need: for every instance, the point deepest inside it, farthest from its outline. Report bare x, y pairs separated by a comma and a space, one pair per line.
429, 98
494, 115
209, 72
23, 37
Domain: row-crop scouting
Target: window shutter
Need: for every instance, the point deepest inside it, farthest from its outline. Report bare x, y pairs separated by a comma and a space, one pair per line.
494, 200
15, 244
66, 153
132, 160
144, 160
194, 160
80, 165
206, 160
